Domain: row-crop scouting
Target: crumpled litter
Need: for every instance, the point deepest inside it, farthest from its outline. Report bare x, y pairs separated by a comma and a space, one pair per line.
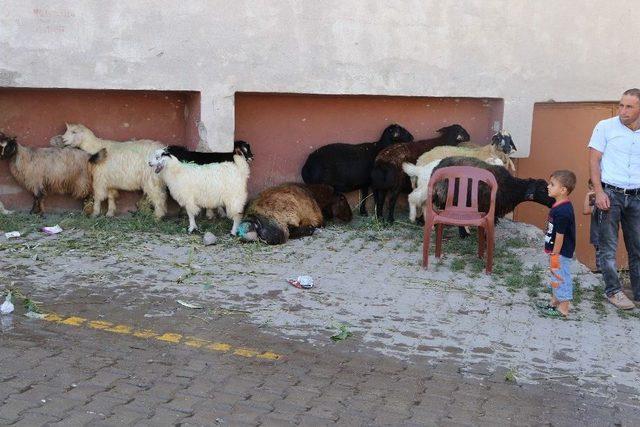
7, 306
11, 234
188, 304
52, 230
302, 282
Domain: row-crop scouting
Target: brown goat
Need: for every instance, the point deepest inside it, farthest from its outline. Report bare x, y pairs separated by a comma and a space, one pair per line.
279, 213
49, 170
387, 175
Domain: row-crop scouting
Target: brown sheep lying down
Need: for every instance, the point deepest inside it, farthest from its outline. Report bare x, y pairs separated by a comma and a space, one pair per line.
43, 171
289, 211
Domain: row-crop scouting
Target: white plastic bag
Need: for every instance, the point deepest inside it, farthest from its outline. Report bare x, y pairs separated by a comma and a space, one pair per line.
52, 230
7, 305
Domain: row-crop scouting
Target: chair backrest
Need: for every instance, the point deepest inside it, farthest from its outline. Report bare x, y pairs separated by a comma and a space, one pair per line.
463, 175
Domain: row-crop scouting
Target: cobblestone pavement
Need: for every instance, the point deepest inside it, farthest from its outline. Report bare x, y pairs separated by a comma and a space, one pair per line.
428, 348
54, 373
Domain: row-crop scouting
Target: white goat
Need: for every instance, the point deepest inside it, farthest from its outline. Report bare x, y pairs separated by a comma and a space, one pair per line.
205, 186
125, 168
423, 174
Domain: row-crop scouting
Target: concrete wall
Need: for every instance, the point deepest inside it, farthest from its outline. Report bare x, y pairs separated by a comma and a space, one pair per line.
284, 129
522, 51
35, 115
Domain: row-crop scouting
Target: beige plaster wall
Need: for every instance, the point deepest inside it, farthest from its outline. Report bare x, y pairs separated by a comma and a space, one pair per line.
523, 51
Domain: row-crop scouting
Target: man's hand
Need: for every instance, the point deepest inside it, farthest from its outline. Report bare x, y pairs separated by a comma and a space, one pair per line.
602, 201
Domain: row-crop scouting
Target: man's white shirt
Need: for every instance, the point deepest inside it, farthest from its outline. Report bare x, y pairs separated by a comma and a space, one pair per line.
620, 148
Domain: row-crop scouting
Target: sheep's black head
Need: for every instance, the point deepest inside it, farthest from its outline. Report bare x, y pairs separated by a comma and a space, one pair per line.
243, 148
396, 133
158, 159
537, 192
8, 146
340, 208
503, 142
455, 134
258, 227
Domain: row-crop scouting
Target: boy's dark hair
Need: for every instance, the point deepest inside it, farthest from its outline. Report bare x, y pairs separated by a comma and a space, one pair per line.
566, 178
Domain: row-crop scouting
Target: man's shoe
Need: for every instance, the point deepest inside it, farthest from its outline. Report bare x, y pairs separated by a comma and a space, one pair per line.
620, 300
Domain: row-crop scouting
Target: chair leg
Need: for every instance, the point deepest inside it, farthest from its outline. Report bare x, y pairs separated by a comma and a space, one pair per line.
490, 246
481, 242
439, 230
426, 240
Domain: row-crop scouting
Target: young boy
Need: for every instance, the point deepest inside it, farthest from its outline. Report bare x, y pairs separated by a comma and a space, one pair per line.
590, 209
560, 240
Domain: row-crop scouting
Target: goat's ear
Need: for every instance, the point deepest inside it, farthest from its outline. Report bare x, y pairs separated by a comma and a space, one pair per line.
442, 130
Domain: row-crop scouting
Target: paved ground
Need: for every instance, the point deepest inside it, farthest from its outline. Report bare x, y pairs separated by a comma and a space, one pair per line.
444, 347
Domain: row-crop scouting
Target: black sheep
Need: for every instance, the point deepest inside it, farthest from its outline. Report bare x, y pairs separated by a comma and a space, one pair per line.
387, 175
511, 190
347, 167
201, 158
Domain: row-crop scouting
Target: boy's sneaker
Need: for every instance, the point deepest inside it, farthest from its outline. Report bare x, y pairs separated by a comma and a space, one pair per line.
620, 300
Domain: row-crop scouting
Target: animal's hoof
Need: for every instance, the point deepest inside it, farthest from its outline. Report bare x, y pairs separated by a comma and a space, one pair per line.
110, 214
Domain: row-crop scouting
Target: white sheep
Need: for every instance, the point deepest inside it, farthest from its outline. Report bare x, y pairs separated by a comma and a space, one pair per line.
482, 153
124, 169
209, 186
422, 174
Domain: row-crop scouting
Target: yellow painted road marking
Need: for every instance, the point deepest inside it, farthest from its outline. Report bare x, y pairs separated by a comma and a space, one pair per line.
99, 324
74, 321
120, 329
195, 342
169, 337
52, 317
218, 346
145, 333
246, 352
269, 355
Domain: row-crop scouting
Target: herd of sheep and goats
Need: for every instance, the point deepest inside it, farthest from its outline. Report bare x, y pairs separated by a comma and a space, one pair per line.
81, 165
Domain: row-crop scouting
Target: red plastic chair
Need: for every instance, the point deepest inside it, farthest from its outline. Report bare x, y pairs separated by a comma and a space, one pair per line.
456, 212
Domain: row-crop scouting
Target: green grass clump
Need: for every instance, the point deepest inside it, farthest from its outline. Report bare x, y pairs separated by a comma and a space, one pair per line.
597, 301
457, 264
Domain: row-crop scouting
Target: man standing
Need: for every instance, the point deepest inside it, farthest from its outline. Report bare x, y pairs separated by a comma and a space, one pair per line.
614, 163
